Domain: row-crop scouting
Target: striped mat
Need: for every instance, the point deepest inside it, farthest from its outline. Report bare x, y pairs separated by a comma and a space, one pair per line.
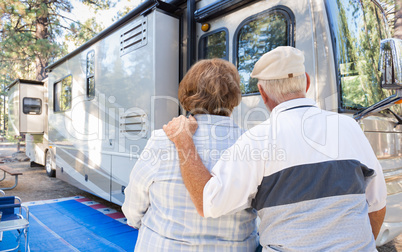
75, 224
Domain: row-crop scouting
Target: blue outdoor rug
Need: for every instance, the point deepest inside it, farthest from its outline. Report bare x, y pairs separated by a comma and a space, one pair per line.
74, 224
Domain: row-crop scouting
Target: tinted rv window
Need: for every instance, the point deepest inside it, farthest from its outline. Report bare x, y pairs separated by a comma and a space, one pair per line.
91, 74
62, 94
256, 36
357, 28
214, 45
32, 106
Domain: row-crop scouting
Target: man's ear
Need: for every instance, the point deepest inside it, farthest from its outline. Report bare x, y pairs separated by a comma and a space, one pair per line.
308, 82
263, 94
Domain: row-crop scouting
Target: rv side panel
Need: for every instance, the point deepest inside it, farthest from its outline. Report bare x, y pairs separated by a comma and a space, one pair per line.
105, 101
13, 110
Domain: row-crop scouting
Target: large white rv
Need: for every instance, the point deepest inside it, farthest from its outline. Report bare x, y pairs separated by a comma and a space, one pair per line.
106, 97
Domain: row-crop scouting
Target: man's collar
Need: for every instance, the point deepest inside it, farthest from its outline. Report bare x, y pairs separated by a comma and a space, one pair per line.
293, 103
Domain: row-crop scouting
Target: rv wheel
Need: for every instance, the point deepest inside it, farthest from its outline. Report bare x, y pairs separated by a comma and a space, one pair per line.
48, 165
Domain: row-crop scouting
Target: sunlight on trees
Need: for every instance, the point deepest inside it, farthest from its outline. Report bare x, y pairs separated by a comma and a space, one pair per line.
30, 32
256, 38
361, 27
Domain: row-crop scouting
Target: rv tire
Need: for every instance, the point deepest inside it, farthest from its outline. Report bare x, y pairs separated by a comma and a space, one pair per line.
48, 164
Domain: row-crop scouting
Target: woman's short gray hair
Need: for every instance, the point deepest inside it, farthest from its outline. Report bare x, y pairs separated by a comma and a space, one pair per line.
279, 90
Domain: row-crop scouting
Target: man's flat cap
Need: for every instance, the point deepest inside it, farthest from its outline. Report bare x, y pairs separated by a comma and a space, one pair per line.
280, 63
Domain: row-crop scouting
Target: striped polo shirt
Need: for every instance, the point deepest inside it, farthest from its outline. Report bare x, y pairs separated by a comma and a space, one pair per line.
312, 176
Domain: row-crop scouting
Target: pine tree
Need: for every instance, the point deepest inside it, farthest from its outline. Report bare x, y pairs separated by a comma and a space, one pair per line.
30, 32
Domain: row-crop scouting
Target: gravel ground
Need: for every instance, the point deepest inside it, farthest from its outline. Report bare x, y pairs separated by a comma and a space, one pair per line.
395, 245
35, 185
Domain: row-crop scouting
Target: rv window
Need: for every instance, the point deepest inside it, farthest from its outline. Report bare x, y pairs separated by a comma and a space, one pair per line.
357, 28
62, 94
32, 106
256, 36
214, 45
91, 74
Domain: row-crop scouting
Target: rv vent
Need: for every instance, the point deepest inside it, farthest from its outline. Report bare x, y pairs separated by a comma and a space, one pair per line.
134, 36
133, 124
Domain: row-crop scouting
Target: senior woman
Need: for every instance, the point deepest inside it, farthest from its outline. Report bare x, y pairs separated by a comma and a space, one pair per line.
156, 200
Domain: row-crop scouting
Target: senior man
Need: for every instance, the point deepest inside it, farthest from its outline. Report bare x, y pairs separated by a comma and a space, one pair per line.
325, 192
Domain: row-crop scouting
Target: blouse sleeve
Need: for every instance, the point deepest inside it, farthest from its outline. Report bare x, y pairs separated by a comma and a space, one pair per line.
136, 193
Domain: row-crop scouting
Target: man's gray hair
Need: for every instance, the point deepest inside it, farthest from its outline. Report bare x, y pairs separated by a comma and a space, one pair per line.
281, 89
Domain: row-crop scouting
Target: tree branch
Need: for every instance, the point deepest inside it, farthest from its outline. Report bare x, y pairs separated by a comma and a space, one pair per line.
64, 17
67, 28
12, 60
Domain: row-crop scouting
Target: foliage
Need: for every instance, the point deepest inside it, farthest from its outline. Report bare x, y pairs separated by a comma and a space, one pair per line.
12, 139
390, 7
30, 32
122, 13
361, 26
35, 33
79, 36
256, 38
126, 9
65, 101
214, 45
62, 98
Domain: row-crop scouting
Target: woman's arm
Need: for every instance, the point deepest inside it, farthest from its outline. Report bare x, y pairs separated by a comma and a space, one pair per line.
136, 202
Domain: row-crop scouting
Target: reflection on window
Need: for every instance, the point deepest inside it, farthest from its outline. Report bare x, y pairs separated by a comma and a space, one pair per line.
91, 74
255, 38
214, 45
62, 94
32, 106
357, 27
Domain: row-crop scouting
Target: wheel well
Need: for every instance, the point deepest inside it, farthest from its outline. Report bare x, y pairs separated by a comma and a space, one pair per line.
46, 151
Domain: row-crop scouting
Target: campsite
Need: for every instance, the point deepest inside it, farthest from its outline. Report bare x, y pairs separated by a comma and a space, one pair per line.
85, 99
61, 216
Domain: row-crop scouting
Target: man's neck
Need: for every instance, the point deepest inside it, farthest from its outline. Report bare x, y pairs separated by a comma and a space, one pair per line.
271, 104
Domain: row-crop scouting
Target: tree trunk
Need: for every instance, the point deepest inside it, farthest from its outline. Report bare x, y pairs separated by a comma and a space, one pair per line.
398, 19
4, 114
42, 33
